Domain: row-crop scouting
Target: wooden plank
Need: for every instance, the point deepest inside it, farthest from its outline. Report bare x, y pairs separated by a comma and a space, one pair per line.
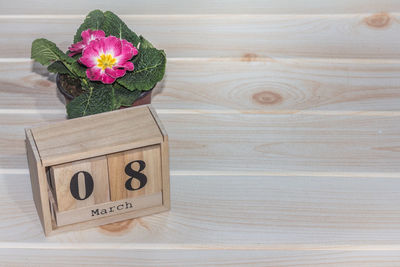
198, 257
265, 142
246, 37
280, 143
266, 213
284, 85
203, 7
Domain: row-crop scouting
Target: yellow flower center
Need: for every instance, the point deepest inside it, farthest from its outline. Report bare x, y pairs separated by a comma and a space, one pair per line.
106, 61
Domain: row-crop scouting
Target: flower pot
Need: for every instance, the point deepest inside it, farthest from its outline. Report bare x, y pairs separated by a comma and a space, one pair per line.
143, 99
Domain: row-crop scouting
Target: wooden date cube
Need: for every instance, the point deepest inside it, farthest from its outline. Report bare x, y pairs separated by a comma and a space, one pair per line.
124, 164
80, 183
99, 169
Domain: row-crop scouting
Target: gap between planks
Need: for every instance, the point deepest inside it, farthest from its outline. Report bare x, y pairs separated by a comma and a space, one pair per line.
191, 246
170, 16
230, 111
255, 173
204, 7
254, 60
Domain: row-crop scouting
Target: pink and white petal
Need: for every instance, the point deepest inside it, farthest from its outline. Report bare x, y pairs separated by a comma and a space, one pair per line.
127, 54
127, 45
89, 57
97, 46
125, 42
94, 74
115, 72
86, 35
128, 51
135, 51
106, 79
77, 47
98, 34
126, 65
111, 45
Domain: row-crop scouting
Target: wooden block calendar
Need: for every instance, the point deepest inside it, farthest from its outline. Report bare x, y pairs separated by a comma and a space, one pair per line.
99, 169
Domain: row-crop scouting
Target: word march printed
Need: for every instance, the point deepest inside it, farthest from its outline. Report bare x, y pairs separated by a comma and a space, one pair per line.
125, 206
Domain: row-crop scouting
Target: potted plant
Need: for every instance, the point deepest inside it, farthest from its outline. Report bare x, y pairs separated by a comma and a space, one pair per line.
107, 67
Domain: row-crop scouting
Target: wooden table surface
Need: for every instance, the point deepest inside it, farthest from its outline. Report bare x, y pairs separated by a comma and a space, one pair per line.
283, 119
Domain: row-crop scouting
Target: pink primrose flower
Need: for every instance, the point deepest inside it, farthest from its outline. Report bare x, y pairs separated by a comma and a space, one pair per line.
87, 37
107, 59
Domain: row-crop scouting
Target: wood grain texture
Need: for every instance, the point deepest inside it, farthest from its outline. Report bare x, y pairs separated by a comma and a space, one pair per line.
133, 130
110, 222
243, 36
230, 212
203, 7
282, 85
38, 182
283, 128
196, 257
159, 123
61, 176
151, 168
108, 209
264, 142
165, 167
73, 140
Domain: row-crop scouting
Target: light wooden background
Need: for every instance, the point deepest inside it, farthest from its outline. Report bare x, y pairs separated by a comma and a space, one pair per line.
284, 123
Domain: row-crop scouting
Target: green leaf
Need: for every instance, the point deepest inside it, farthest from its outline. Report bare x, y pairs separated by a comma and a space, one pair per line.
46, 52
144, 43
78, 69
96, 99
74, 69
113, 25
123, 96
94, 21
149, 69
58, 67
